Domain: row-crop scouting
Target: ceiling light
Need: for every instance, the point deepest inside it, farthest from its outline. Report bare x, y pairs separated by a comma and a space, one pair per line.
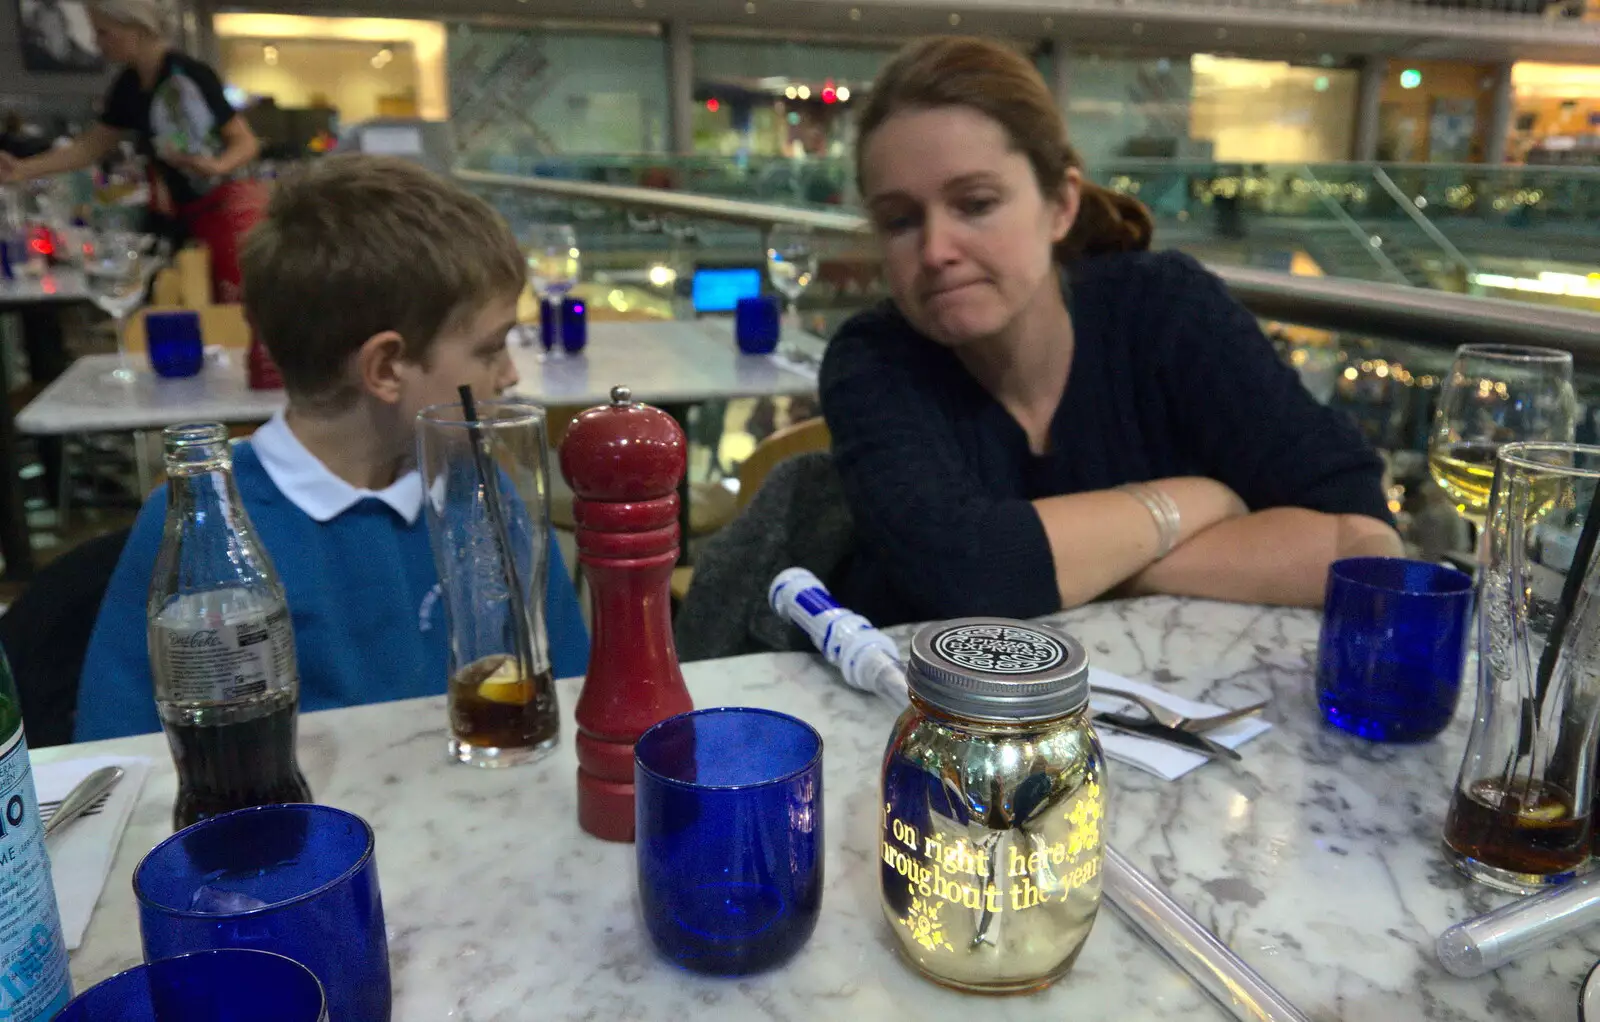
855, 14
955, 19
804, 92
843, 93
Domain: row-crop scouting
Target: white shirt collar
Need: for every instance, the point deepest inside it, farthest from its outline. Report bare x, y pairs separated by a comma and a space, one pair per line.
308, 484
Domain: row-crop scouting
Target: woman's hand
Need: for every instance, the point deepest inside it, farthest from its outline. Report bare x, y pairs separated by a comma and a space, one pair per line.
10, 169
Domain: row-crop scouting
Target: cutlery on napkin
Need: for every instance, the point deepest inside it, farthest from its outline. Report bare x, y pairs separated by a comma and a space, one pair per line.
1160, 758
81, 855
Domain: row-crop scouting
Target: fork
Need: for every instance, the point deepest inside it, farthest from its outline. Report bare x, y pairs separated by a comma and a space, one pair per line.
1168, 717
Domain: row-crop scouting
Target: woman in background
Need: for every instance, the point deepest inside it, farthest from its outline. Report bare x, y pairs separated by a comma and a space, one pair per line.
1047, 413
197, 146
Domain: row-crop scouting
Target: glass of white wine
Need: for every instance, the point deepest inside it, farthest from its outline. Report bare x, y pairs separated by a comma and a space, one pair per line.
1496, 394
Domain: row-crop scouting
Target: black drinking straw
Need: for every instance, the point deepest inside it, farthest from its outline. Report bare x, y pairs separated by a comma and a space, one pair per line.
490, 478
1569, 596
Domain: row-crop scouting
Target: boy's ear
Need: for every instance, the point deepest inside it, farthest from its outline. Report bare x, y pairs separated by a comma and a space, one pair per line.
379, 364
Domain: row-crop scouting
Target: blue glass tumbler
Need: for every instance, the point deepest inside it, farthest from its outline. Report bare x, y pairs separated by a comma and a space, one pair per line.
574, 324
756, 324
231, 985
1394, 642
549, 323
174, 344
296, 880
728, 813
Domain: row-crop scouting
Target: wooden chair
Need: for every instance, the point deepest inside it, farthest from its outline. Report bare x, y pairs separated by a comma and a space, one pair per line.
811, 435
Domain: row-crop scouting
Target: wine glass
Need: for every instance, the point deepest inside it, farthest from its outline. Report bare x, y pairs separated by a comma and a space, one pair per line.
554, 262
117, 266
1493, 395
791, 265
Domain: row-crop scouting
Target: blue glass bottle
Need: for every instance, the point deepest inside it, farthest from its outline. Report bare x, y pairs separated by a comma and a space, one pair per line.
34, 981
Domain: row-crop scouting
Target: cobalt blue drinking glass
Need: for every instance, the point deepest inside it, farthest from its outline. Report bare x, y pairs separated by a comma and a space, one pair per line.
728, 808
173, 341
1394, 642
231, 985
757, 322
296, 880
574, 324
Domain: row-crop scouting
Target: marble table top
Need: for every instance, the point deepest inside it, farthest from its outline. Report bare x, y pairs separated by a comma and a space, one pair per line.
61, 284
1316, 859
85, 400
663, 362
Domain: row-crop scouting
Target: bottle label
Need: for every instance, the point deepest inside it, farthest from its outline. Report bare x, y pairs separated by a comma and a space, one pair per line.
815, 601
224, 663
35, 981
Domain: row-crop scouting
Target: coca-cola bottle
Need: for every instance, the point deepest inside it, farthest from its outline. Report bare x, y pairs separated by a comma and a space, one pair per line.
221, 648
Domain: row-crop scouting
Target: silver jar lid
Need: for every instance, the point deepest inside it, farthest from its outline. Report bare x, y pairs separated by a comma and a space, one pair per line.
996, 669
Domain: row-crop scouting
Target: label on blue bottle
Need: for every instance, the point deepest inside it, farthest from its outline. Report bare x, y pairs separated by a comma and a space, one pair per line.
34, 979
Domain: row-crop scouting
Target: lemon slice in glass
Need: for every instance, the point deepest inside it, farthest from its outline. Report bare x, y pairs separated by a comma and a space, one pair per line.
506, 685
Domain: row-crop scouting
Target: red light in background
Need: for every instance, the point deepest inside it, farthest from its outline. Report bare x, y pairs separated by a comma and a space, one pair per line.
713, 105
829, 94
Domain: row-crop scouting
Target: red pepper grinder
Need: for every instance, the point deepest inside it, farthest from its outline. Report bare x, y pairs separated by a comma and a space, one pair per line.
624, 461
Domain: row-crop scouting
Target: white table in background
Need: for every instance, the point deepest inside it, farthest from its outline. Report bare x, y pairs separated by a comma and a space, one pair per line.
668, 363
60, 285
84, 400
1316, 858
672, 364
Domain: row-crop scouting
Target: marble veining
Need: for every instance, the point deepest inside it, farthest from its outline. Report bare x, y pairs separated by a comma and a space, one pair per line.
1317, 859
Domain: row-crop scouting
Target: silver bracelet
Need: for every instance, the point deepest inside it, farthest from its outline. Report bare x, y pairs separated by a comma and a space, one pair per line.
1163, 511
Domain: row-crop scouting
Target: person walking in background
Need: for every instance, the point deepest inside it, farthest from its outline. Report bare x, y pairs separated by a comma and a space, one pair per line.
197, 146
1045, 412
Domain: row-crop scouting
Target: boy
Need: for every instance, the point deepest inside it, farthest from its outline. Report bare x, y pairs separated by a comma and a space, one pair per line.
378, 289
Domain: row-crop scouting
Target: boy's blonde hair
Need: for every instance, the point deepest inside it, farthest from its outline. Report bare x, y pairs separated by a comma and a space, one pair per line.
355, 245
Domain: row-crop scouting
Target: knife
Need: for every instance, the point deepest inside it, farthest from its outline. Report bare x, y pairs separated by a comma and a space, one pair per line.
1145, 728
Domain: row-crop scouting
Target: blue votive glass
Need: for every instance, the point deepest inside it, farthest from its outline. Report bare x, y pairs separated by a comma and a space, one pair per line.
232, 985
174, 343
574, 324
729, 837
295, 880
1393, 646
757, 322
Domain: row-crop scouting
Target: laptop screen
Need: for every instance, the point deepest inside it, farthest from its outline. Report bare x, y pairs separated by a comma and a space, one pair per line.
718, 289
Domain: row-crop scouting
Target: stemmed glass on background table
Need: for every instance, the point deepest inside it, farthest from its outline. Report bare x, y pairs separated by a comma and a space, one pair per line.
1494, 395
117, 267
791, 266
554, 264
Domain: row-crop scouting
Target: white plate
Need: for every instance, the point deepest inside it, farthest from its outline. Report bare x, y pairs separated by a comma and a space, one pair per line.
1589, 997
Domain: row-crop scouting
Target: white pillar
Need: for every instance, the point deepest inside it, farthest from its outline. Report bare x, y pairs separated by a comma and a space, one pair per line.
680, 86
1502, 108
1368, 97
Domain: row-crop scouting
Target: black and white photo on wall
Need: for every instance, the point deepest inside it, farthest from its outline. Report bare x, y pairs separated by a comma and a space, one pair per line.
56, 36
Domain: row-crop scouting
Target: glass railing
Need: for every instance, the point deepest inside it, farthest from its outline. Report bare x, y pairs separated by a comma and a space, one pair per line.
1510, 231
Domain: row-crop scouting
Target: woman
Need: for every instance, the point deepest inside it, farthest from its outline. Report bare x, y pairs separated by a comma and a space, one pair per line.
197, 146
1046, 412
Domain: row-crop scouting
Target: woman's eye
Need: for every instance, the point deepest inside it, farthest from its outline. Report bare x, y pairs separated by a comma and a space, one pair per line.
896, 223
977, 205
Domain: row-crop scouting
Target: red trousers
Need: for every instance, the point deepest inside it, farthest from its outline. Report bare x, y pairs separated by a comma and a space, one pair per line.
220, 221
